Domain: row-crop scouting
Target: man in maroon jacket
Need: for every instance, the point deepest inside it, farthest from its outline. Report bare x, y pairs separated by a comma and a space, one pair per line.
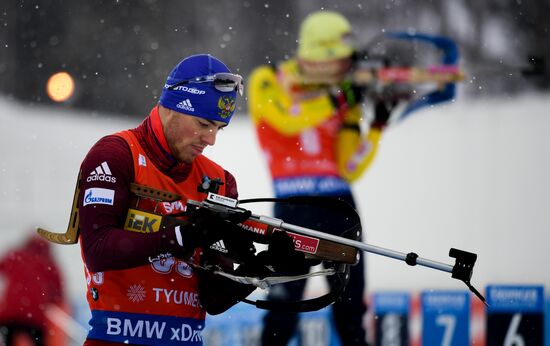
144, 284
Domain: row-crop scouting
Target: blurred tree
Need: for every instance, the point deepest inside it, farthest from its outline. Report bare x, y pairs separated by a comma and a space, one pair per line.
7, 44
38, 29
532, 17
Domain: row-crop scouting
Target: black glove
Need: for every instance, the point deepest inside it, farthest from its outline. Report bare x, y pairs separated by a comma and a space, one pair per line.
282, 256
347, 95
254, 268
238, 244
205, 227
382, 112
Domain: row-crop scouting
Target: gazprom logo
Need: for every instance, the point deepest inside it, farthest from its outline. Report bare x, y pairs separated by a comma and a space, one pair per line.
98, 195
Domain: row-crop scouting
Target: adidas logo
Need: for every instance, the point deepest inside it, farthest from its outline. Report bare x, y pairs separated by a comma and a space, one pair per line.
101, 173
219, 246
186, 105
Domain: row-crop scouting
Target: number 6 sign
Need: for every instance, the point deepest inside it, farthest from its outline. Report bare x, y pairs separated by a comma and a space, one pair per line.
515, 315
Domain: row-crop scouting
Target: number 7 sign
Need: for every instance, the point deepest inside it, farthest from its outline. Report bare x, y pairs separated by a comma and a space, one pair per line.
445, 318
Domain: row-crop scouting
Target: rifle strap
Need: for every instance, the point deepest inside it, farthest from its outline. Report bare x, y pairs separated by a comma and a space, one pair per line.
273, 280
339, 281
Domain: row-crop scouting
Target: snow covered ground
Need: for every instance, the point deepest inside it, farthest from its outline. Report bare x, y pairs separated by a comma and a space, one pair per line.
472, 175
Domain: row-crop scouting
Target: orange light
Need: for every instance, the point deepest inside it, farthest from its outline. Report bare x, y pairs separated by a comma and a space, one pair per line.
60, 86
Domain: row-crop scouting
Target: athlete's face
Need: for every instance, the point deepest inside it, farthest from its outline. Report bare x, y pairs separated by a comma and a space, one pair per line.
187, 135
325, 72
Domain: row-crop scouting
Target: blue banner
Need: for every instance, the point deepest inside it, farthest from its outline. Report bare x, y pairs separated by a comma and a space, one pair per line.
515, 315
243, 324
446, 318
391, 310
394, 302
508, 298
143, 329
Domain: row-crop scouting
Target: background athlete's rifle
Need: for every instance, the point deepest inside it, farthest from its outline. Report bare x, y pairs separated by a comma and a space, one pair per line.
393, 61
385, 76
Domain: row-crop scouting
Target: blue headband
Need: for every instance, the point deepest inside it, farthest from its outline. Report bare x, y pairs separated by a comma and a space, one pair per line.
198, 99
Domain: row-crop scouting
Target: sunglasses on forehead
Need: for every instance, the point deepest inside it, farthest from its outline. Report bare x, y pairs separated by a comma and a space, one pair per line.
224, 82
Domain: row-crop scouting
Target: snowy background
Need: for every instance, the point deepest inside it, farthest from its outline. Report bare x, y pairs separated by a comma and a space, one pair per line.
471, 174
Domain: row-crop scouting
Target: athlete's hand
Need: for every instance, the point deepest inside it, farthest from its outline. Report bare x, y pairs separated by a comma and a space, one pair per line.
382, 112
282, 256
347, 94
205, 227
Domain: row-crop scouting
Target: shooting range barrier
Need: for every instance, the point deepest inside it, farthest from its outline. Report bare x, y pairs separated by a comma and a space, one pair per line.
515, 315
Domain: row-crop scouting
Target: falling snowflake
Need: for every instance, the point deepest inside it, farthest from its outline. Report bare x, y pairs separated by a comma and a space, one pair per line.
136, 293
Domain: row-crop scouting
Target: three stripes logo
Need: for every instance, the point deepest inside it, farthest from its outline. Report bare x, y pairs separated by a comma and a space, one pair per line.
219, 246
101, 173
186, 105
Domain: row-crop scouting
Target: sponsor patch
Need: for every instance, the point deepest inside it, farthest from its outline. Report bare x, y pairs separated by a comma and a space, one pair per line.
187, 89
222, 200
186, 105
96, 195
254, 226
303, 242
219, 246
140, 221
101, 173
177, 297
145, 329
173, 207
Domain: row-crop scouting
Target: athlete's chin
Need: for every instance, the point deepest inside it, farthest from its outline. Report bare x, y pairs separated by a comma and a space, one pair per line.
187, 158
188, 154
